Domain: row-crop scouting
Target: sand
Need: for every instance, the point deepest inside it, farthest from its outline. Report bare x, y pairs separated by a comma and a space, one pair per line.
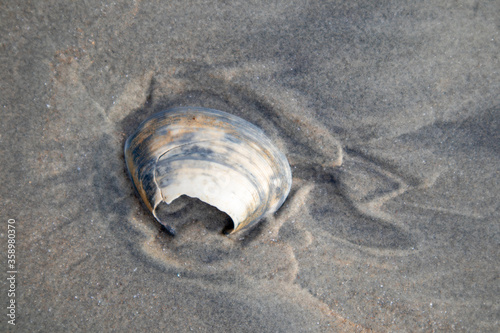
387, 111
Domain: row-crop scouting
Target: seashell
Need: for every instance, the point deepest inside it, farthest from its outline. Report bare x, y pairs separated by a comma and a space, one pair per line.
211, 155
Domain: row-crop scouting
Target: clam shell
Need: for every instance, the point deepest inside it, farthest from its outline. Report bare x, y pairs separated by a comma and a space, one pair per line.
211, 155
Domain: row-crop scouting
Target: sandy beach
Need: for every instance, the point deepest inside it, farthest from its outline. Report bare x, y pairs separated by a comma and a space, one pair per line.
388, 112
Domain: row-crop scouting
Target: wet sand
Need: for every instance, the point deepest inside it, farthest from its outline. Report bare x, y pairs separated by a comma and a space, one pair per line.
388, 113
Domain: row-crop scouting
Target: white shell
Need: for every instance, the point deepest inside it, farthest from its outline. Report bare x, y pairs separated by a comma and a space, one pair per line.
211, 155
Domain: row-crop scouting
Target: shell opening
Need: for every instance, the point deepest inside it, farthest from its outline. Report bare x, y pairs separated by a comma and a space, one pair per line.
186, 211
